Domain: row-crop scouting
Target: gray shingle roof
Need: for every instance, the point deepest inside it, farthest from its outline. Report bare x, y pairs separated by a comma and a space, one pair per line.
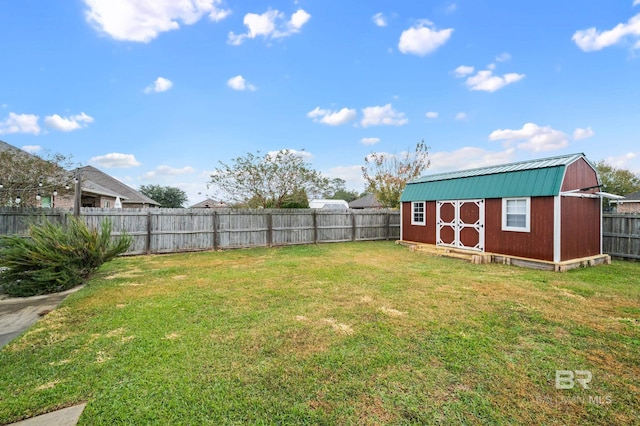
634, 196
368, 201
103, 180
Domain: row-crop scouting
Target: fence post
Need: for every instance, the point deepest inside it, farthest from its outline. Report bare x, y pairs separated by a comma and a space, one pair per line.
315, 227
629, 228
215, 231
387, 220
147, 241
353, 226
269, 229
63, 219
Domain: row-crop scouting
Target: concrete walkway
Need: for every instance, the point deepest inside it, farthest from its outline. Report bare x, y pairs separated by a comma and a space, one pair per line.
65, 417
16, 316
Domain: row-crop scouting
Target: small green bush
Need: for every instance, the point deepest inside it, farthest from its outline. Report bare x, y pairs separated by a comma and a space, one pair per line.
55, 257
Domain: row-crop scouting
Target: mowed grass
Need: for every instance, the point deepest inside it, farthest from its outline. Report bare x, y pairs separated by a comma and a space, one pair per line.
354, 333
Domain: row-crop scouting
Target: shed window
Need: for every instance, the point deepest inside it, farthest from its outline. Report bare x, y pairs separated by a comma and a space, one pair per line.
418, 213
516, 214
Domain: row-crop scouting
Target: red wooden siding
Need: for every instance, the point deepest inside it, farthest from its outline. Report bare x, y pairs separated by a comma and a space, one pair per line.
580, 227
579, 175
418, 233
537, 244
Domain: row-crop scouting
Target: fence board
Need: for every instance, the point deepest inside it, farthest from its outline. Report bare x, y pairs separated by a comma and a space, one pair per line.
621, 235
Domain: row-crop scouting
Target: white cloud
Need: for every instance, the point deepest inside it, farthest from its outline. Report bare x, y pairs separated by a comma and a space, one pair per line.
163, 170
423, 38
468, 158
379, 19
463, 71
383, 115
297, 21
623, 161
20, 123
369, 141
68, 124
31, 148
431, 114
160, 85
582, 133
451, 8
503, 57
144, 20
267, 25
461, 116
115, 160
332, 118
591, 39
534, 137
240, 83
636, 2
352, 176
485, 80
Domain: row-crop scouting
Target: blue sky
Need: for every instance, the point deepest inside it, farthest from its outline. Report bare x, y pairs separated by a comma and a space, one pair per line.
159, 91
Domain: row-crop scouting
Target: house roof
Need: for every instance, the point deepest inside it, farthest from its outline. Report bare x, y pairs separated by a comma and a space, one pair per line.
534, 178
93, 188
368, 201
634, 197
209, 203
97, 179
6, 147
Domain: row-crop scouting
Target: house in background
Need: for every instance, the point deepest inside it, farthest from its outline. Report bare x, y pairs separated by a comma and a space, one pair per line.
101, 190
630, 204
209, 204
367, 202
97, 189
547, 211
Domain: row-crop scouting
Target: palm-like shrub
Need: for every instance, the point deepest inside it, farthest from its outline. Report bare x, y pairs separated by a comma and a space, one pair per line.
55, 257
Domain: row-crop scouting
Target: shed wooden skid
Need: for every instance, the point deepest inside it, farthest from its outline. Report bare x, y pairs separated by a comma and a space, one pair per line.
543, 213
486, 258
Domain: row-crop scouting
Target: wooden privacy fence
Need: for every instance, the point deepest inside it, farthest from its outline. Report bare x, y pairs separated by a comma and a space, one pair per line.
178, 230
621, 235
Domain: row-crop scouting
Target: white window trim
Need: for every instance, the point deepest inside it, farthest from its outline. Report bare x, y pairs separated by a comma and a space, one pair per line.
424, 213
527, 227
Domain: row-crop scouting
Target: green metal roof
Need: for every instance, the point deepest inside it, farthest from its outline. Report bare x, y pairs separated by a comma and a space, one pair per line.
535, 178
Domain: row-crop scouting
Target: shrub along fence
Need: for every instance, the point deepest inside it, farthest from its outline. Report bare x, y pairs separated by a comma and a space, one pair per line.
178, 230
621, 235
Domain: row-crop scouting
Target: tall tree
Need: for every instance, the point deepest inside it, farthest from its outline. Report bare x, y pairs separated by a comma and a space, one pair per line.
272, 180
168, 196
386, 175
28, 177
337, 190
616, 181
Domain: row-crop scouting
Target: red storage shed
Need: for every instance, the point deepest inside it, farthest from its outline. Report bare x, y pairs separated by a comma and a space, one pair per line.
546, 210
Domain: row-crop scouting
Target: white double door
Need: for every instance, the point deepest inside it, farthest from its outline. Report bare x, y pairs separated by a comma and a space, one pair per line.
460, 223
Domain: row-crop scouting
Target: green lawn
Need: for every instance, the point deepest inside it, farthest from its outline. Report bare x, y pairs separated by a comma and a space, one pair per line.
353, 333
